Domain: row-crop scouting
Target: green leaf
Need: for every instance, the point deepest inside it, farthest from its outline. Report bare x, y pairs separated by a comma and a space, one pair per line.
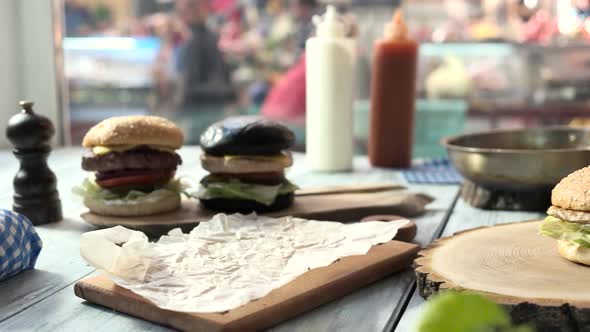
235, 189
465, 312
567, 231
89, 189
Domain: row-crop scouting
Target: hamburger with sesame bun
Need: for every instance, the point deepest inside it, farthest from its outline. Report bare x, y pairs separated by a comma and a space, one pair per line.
134, 161
569, 217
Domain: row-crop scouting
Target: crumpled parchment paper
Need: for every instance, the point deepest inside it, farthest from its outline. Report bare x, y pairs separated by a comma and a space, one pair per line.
228, 261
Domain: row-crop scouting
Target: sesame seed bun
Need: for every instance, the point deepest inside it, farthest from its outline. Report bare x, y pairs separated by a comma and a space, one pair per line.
134, 130
167, 203
573, 252
573, 191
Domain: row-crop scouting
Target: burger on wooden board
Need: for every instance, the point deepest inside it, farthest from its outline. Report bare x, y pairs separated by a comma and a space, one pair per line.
569, 217
246, 158
134, 162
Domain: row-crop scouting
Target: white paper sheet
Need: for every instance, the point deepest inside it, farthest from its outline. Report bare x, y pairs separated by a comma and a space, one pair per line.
228, 261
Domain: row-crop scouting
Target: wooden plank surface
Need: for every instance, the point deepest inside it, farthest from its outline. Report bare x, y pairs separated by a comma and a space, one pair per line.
369, 309
59, 263
48, 304
463, 217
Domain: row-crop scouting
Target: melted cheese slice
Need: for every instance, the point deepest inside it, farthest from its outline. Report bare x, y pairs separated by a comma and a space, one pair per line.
100, 150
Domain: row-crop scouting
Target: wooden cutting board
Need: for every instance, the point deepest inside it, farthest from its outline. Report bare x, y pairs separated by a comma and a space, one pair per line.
310, 290
514, 266
341, 203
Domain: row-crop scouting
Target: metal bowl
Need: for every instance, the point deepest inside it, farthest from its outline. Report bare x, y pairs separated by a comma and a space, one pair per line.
520, 160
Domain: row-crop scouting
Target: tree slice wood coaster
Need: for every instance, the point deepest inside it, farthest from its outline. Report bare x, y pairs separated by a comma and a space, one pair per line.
493, 199
514, 266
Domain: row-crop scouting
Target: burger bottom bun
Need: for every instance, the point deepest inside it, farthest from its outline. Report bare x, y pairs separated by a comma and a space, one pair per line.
573, 252
246, 206
133, 208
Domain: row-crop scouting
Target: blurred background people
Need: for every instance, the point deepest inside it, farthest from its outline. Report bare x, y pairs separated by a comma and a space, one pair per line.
78, 19
204, 83
205, 77
196, 61
303, 12
287, 99
171, 34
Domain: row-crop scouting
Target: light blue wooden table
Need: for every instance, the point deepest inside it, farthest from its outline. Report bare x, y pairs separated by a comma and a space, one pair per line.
43, 299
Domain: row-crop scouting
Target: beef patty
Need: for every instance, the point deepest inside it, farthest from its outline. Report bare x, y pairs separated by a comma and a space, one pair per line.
132, 159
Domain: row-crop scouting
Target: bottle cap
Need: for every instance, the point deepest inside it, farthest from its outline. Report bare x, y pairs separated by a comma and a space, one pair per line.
331, 26
397, 28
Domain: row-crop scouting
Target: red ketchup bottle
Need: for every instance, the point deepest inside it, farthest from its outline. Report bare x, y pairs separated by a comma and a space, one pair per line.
393, 96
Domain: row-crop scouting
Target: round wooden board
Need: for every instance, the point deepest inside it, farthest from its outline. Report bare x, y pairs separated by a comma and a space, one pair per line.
514, 266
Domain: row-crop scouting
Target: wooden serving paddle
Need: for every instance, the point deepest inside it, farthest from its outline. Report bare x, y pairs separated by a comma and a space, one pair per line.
310, 290
370, 188
515, 266
345, 204
406, 233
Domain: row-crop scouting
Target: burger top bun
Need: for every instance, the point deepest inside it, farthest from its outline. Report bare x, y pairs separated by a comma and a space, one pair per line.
573, 191
573, 252
246, 136
134, 130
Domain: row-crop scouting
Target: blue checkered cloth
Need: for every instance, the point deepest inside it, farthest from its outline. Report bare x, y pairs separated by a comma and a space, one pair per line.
433, 171
19, 244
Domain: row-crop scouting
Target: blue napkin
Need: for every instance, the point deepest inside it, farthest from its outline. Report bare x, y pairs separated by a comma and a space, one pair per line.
19, 244
433, 171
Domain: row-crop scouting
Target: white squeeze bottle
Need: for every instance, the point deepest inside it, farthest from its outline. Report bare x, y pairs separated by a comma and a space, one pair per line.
330, 67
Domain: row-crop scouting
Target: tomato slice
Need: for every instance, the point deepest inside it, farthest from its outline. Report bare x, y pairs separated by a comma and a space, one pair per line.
147, 178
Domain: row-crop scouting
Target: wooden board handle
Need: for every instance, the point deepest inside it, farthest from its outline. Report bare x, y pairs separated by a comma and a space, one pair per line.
348, 189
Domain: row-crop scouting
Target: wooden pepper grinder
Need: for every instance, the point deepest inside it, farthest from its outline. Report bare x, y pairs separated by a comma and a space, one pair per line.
35, 185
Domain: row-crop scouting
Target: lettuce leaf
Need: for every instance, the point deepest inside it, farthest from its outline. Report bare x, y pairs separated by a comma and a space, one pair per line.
89, 189
234, 189
564, 230
465, 312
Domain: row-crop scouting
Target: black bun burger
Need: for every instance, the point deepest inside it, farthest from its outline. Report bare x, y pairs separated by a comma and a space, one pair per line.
134, 162
246, 157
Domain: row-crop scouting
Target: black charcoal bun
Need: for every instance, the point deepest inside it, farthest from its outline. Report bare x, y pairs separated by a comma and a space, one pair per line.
246, 136
246, 206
